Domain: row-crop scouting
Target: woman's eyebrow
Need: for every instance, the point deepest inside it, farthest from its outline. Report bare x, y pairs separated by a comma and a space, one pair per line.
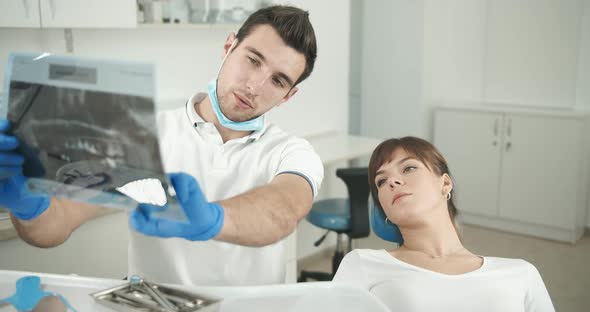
381, 171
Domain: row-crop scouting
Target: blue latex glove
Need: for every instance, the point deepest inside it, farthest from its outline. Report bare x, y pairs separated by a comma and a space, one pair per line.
14, 193
205, 219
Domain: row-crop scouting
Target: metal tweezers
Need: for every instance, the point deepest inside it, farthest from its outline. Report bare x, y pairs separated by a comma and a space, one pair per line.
140, 295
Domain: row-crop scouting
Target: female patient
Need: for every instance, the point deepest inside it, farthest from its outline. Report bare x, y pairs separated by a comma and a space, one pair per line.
432, 270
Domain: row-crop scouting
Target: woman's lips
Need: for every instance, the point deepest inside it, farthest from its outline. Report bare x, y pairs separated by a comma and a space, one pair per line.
396, 197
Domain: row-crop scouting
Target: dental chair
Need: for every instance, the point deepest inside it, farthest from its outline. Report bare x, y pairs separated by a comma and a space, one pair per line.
348, 217
384, 229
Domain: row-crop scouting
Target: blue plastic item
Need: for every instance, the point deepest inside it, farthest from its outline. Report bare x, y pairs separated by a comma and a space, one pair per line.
384, 229
29, 294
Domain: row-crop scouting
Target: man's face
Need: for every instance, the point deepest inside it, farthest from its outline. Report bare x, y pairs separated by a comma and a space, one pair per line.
258, 74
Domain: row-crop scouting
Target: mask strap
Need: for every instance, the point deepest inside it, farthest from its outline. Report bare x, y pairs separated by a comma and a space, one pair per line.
231, 48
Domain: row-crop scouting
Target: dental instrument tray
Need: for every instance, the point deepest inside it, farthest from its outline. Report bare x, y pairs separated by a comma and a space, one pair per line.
141, 296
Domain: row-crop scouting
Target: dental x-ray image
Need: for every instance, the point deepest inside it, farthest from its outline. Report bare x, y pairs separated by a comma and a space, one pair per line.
87, 129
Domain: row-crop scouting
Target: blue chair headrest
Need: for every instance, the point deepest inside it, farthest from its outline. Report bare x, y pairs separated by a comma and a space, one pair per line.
387, 231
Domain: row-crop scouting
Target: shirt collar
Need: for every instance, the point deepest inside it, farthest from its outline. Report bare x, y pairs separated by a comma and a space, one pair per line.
196, 120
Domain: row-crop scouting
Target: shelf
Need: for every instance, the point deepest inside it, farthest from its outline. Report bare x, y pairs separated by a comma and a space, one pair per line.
187, 26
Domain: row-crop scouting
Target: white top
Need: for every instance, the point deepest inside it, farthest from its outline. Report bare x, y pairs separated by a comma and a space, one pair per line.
188, 144
500, 284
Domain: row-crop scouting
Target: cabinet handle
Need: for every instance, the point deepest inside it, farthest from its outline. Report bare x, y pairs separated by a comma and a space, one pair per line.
26, 6
509, 127
508, 146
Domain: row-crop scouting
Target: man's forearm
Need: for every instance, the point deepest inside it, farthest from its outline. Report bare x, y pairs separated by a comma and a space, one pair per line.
266, 214
56, 224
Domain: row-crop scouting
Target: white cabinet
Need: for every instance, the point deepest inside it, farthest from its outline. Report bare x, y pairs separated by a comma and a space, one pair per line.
517, 171
474, 162
68, 13
88, 13
19, 13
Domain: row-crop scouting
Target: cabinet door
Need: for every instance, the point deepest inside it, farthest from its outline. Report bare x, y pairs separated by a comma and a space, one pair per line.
88, 13
470, 143
19, 13
540, 166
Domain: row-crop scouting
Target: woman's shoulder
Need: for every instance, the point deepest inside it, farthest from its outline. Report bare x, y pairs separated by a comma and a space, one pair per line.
369, 253
499, 263
369, 257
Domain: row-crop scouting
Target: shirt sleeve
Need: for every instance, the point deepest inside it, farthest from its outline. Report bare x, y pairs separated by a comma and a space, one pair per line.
350, 271
537, 298
300, 158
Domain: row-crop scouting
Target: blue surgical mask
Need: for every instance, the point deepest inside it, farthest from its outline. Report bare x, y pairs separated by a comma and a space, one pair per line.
248, 125
255, 124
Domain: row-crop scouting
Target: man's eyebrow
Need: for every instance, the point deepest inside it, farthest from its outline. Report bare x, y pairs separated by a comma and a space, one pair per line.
257, 53
263, 59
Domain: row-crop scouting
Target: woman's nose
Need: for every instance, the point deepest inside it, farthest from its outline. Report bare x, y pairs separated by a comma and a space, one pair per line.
394, 181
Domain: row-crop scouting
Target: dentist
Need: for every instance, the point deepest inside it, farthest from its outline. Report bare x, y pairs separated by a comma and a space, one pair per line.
255, 182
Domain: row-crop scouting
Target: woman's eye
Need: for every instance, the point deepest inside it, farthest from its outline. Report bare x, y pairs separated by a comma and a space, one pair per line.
380, 182
409, 168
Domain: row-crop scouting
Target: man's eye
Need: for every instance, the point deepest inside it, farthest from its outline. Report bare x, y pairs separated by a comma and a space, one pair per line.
253, 61
277, 82
409, 168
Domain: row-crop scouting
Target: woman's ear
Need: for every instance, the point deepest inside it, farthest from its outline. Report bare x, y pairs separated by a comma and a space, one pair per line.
447, 186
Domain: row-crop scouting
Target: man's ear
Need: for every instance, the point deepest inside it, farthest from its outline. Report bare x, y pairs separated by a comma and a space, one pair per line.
228, 43
288, 95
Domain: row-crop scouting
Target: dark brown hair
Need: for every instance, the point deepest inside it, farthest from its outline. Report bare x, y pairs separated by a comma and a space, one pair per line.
293, 26
418, 148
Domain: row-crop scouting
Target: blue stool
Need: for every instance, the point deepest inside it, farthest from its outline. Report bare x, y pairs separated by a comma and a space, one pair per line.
348, 217
384, 229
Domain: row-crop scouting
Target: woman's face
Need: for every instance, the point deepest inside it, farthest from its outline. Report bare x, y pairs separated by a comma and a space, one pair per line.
408, 191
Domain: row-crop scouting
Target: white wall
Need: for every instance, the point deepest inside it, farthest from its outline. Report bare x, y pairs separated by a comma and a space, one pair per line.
583, 89
391, 88
186, 59
453, 50
356, 47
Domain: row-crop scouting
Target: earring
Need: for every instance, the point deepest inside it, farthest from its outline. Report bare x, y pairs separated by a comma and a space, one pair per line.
449, 196
386, 220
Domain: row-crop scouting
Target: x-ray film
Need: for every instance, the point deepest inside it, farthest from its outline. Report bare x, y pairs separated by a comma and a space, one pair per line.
87, 129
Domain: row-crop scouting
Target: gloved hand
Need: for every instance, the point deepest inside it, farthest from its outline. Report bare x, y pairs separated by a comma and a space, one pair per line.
205, 219
14, 193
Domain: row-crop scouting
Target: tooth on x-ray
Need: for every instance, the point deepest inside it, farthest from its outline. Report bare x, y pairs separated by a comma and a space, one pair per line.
149, 191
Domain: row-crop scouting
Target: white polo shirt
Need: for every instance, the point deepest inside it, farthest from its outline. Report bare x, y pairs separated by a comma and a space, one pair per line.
189, 144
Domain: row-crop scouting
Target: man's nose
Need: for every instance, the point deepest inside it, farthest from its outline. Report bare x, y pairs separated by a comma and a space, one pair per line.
256, 82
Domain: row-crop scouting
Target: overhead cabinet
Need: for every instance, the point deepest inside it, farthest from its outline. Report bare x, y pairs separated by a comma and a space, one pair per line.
68, 13
525, 173
20, 13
